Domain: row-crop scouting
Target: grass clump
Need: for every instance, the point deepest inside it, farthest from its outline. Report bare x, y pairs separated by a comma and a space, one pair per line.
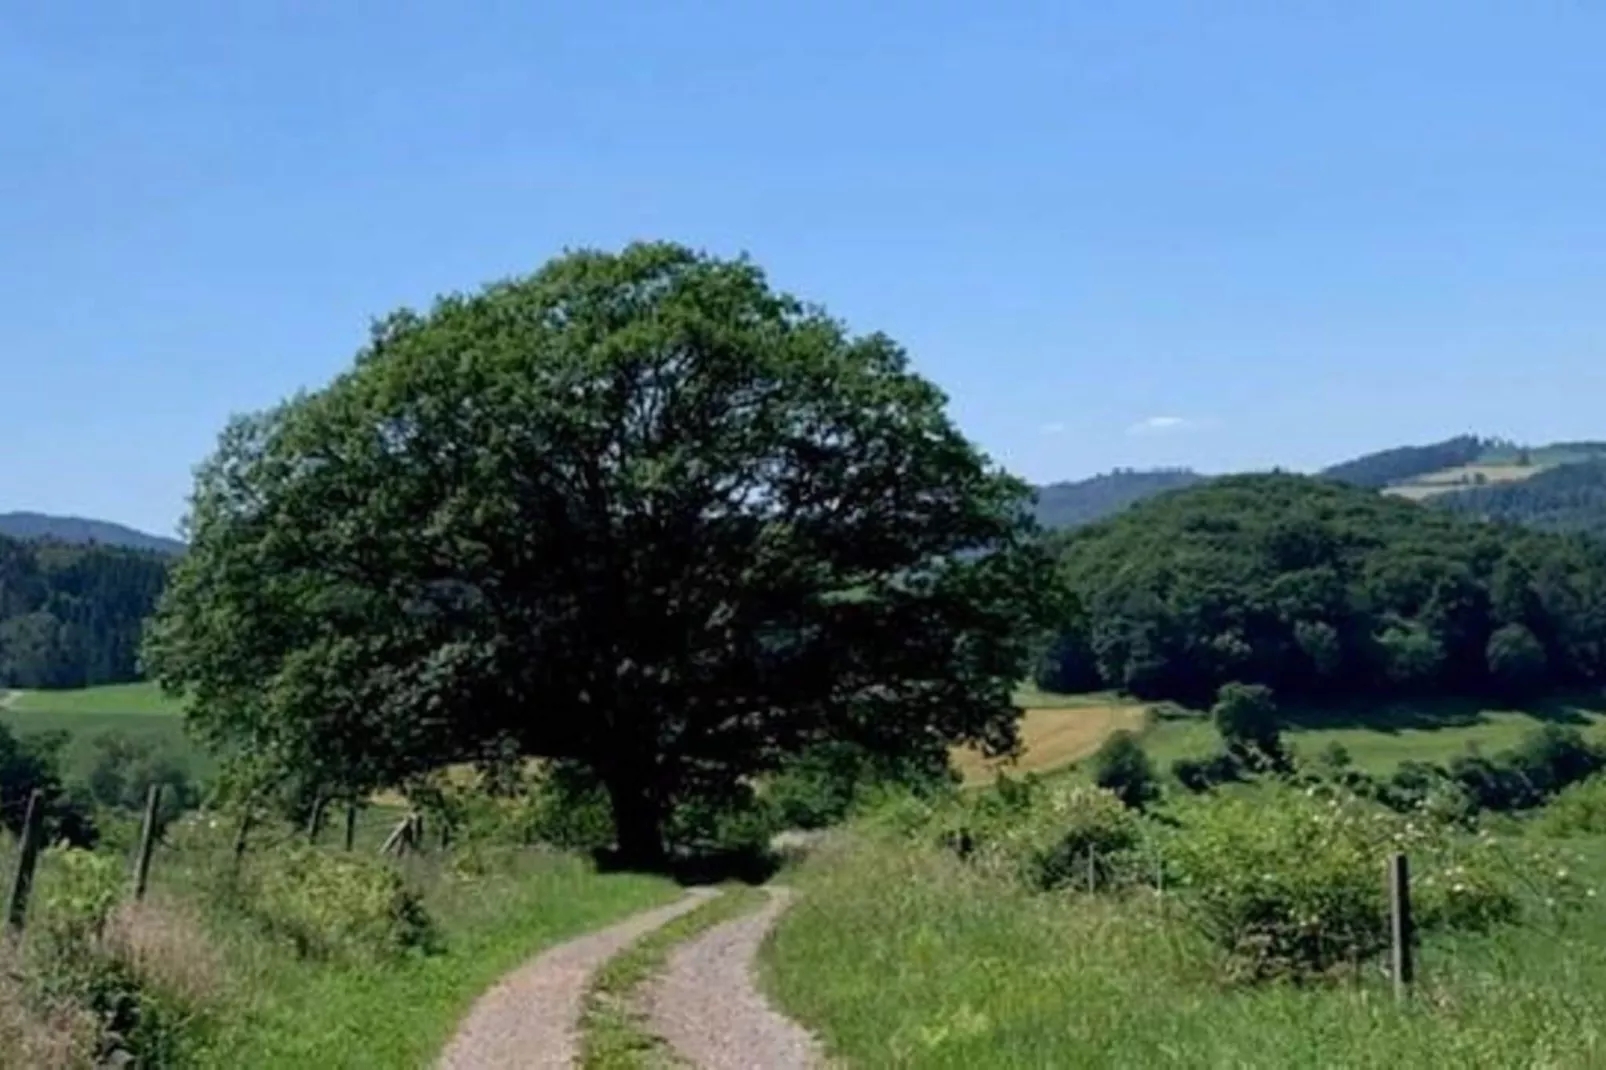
614, 1035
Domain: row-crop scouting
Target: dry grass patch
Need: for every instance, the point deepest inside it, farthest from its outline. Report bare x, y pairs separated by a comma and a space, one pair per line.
1463, 477
1056, 735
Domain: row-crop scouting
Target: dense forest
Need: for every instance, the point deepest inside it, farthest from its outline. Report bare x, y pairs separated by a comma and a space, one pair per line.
1070, 505
1320, 589
1569, 497
71, 616
1406, 462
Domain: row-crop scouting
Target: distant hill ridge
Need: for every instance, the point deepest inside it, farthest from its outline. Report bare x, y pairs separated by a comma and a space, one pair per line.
1492, 478
81, 531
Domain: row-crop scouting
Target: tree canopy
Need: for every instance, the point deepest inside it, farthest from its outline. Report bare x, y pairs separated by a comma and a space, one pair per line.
637, 511
1318, 589
71, 616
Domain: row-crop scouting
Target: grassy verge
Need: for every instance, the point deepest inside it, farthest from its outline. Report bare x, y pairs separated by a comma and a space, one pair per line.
614, 1035
285, 1011
902, 956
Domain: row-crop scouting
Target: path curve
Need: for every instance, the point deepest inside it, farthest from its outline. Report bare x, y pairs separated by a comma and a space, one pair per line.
530, 1020
708, 1007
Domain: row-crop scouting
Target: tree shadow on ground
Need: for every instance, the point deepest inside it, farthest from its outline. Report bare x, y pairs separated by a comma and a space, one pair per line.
1429, 714
743, 865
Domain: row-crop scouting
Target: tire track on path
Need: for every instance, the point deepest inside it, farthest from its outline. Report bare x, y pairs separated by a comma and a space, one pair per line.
707, 1005
530, 1019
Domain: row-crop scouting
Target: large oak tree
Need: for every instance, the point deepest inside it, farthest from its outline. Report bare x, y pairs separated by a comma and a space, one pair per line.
638, 511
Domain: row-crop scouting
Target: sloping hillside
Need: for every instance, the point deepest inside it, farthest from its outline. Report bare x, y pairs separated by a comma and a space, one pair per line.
1456, 464
81, 531
1072, 504
1568, 497
1405, 463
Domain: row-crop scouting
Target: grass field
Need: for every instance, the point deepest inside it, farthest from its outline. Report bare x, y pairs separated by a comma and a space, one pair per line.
1060, 730
111, 700
903, 956
138, 710
1056, 730
1380, 736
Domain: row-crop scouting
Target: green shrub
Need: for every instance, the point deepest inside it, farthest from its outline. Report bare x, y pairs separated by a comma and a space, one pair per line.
72, 962
125, 767
1202, 774
1043, 835
1120, 766
828, 781
569, 809
337, 905
1246, 717
1290, 882
1580, 810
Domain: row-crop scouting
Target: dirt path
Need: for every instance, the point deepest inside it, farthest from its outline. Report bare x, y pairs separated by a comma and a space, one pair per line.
529, 1020
707, 1006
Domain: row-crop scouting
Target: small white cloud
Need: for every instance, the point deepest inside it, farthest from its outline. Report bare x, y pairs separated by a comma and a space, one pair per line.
1160, 425
1055, 428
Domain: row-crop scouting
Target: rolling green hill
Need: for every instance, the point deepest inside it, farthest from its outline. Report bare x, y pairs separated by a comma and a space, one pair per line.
1072, 504
1458, 468
79, 531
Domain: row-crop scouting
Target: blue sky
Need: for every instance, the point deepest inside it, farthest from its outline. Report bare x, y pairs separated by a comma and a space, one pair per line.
1228, 234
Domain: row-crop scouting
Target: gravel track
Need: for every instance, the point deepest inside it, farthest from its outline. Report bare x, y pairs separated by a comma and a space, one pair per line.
708, 1008
530, 1020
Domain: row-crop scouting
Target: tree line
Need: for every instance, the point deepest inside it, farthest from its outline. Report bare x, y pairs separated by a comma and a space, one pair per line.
1569, 497
72, 616
1402, 463
1322, 590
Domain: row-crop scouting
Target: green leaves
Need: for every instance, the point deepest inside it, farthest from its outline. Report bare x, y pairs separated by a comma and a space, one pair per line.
607, 512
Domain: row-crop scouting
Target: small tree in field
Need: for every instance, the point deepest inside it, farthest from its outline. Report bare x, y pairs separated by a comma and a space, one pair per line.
1517, 661
1246, 717
638, 512
1122, 767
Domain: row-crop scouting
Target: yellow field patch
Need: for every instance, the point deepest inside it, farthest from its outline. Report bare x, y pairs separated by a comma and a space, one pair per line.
1463, 477
1055, 736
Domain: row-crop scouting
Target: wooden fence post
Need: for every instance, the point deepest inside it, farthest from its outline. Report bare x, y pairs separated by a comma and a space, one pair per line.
1092, 870
1402, 930
315, 819
147, 842
416, 836
27, 858
351, 826
247, 819
397, 840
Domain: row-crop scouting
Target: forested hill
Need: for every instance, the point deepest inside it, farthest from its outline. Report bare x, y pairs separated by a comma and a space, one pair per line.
81, 531
1069, 505
1322, 589
1406, 462
1569, 497
70, 615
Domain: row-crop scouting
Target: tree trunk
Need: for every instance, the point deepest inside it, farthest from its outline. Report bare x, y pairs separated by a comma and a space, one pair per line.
637, 822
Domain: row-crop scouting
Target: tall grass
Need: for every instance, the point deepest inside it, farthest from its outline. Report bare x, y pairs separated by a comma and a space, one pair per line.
289, 1011
903, 956
234, 991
